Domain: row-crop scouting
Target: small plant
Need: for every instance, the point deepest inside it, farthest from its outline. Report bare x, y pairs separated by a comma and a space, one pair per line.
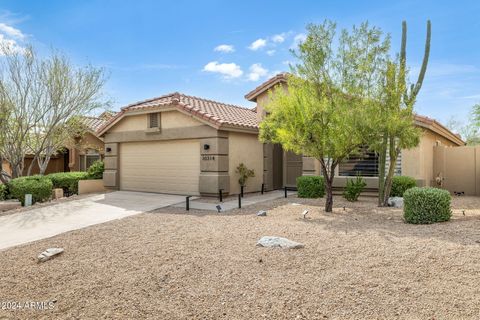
68, 180
426, 205
40, 187
244, 174
3, 192
310, 186
400, 184
353, 188
96, 170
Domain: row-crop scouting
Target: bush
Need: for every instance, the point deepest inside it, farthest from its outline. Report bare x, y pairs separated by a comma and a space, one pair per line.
310, 187
426, 205
96, 170
400, 184
244, 174
67, 180
354, 188
40, 187
3, 192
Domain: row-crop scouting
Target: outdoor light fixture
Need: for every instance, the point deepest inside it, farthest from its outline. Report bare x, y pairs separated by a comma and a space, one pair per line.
206, 146
109, 149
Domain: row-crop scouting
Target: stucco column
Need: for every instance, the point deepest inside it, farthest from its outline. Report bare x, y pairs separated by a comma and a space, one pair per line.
310, 166
214, 165
111, 174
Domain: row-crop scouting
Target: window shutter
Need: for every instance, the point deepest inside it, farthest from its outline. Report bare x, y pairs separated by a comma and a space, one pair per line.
154, 120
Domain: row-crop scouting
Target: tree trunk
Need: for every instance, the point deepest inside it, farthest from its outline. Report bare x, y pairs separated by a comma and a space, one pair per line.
393, 152
328, 184
329, 199
43, 164
382, 159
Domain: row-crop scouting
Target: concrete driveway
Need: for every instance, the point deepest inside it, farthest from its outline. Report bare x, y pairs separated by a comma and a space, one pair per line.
49, 221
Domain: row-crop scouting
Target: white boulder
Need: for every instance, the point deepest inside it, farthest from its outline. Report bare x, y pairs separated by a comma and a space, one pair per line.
278, 242
396, 202
49, 254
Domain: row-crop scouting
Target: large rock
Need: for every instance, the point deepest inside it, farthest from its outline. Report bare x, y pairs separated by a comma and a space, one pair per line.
262, 213
49, 254
396, 202
278, 242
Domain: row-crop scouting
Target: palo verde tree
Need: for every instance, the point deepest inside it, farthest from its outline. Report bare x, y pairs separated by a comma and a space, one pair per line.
393, 124
41, 95
322, 112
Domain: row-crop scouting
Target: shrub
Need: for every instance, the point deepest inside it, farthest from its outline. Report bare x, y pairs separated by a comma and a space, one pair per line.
310, 186
40, 187
244, 174
354, 188
426, 205
3, 192
68, 180
400, 184
96, 170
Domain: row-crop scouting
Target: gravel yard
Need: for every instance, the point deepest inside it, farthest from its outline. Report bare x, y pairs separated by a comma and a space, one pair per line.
363, 262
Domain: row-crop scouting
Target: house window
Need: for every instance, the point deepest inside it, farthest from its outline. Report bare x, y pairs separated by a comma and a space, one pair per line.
364, 163
154, 120
87, 159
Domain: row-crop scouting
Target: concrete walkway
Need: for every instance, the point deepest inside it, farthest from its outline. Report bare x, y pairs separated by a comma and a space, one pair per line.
36, 224
233, 204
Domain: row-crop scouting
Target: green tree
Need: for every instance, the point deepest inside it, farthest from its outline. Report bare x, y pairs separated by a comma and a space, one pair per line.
322, 113
40, 96
392, 123
469, 130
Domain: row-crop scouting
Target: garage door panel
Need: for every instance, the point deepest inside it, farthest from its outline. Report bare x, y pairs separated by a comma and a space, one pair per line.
169, 167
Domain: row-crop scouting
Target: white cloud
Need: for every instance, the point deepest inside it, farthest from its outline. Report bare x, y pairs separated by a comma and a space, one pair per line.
257, 72
298, 39
225, 48
279, 38
11, 31
9, 44
271, 52
227, 70
258, 44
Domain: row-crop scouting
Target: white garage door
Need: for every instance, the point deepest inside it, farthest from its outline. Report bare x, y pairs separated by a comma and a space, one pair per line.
167, 167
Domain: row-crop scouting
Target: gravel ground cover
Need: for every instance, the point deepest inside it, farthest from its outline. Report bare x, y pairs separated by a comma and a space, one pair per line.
360, 262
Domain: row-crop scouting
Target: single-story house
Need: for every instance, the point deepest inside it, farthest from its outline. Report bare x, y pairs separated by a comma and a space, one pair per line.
79, 157
182, 144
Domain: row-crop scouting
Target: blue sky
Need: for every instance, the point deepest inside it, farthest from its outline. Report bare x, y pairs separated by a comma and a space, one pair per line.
150, 48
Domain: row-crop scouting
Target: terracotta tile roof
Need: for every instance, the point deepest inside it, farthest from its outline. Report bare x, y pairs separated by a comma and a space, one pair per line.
435, 126
94, 123
217, 113
252, 95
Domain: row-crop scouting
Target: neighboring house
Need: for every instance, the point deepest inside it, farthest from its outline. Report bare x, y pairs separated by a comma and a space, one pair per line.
87, 150
182, 144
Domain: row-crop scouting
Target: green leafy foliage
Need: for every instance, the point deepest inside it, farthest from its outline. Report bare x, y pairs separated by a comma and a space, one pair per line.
96, 170
354, 188
426, 205
323, 112
244, 174
40, 187
68, 180
3, 192
311, 186
400, 184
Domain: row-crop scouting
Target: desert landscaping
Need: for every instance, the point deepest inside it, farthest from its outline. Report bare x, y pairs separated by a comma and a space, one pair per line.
361, 262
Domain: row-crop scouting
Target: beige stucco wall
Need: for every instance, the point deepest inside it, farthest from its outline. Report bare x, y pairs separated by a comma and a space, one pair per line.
245, 148
263, 99
418, 162
130, 123
170, 119
90, 186
176, 119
